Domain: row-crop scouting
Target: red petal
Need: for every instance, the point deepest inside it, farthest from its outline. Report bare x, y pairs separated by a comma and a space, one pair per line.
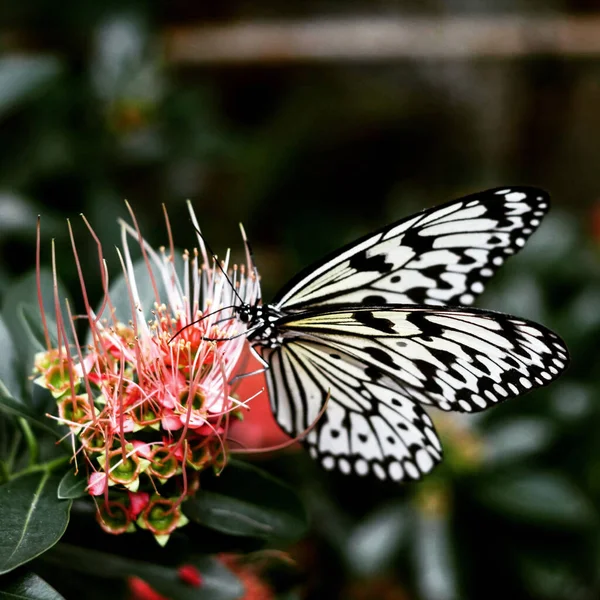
142, 590
190, 575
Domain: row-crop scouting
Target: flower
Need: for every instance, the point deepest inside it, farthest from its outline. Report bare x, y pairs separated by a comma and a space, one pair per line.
254, 586
142, 590
148, 398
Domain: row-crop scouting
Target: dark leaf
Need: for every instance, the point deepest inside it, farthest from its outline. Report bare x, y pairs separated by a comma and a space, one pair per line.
32, 518
22, 76
13, 407
24, 293
374, 543
218, 583
26, 586
246, 501
72, 486
434, 557
545, 498
9, 379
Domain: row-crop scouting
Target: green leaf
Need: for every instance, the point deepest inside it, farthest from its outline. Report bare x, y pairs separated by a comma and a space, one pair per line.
32, 518
72, 486
516, 439
15, 408
33, 327
9, 379
22, 76
434, 557
218, 583
26, 586
246, 501
374, 543
19, 320
543, 498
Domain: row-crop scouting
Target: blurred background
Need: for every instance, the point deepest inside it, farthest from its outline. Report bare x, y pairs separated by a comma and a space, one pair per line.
314, 122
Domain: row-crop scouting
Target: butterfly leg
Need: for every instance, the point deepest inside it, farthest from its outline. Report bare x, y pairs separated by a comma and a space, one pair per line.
260, 359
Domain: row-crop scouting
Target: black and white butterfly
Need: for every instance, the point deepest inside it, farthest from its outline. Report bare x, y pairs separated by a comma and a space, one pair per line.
380, 329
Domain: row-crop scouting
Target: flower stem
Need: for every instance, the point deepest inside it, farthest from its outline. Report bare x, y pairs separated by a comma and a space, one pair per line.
4, 472
32, 444
47, 466
16, 440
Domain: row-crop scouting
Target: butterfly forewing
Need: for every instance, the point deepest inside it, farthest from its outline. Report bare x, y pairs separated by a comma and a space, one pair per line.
441, 256
368, 427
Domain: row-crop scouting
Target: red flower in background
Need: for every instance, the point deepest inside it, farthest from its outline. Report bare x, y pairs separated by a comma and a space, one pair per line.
258, 427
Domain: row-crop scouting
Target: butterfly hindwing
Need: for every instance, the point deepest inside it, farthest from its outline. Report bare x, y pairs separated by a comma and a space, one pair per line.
367, 428
455, 359
440, 256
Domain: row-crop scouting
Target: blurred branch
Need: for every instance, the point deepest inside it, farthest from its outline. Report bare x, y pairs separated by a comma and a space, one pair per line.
380, 39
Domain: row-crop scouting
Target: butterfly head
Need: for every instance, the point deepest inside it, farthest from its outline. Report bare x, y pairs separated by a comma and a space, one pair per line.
245, 313
261, 321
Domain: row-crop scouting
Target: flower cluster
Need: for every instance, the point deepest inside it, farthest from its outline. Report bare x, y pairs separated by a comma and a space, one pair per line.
148, 399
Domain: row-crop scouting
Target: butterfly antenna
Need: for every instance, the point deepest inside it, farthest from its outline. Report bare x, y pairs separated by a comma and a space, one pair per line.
214, 256
210, 314
250, 260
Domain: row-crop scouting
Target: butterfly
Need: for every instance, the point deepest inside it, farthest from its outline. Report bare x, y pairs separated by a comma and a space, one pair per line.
382, 328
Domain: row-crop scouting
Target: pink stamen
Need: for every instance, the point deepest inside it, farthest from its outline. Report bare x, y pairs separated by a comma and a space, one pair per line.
38, 279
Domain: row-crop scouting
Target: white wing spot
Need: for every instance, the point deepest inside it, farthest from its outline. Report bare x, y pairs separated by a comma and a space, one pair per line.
465, 405
328, 463
344, 466
488, 272
467, 298
424, 461
500, 390
525, 383
378, 470
491, 396
411, 469
477, 287
515, 196
498, 260
479, 401
395, 471
361, 466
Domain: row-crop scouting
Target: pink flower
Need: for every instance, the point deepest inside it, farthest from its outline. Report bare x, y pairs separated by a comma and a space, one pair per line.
137, 503
148, 394
96, 483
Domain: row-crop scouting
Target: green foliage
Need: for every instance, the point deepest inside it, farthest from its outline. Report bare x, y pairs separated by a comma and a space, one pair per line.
26, 586
246, 501
33, 517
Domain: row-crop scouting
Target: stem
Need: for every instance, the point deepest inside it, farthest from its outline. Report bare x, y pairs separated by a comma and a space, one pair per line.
47, 466
4, 472
10, 461
32, 444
